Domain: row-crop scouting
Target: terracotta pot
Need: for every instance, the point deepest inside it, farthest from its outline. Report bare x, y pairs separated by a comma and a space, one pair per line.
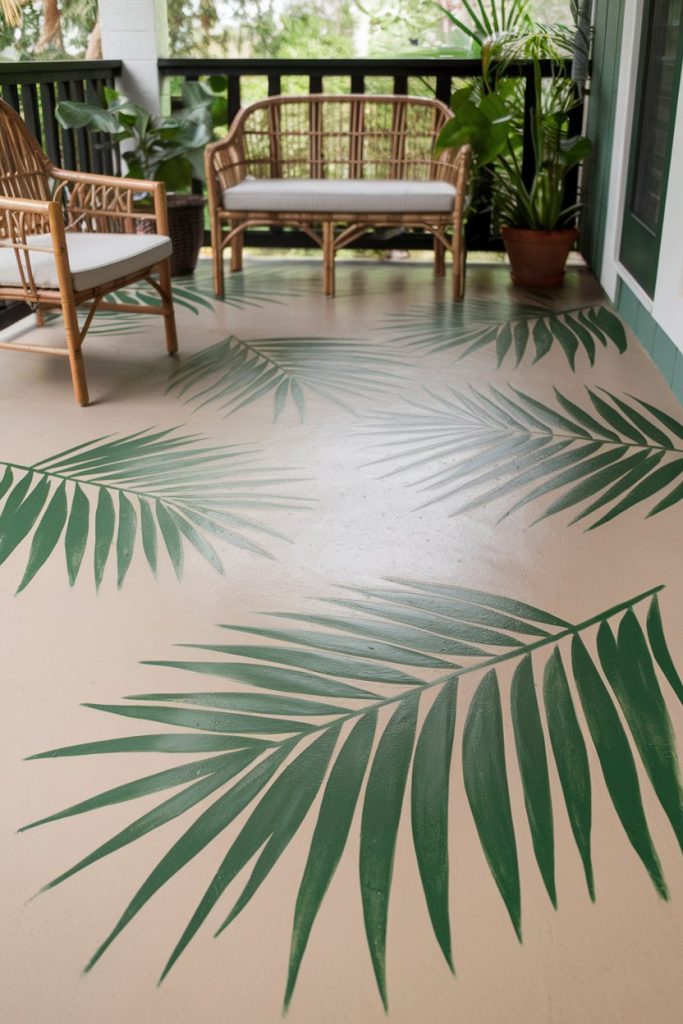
537, 258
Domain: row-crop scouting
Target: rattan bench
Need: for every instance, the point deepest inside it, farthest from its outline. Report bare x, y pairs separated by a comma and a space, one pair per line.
333, 166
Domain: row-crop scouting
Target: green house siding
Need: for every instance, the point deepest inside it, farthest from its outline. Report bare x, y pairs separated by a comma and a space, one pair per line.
665, 354
600, 127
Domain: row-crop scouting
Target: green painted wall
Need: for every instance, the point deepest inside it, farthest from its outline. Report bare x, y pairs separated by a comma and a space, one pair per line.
600, 126
665, 354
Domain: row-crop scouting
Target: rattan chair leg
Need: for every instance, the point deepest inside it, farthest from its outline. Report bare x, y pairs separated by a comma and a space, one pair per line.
40, 317
167, 306
439, 258
328, 257
73, 341
236, 247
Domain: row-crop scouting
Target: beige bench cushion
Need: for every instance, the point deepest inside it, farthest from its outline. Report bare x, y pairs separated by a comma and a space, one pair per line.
312, 195
94, 258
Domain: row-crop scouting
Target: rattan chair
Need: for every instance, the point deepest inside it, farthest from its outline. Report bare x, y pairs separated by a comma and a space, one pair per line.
334, 166
68, 239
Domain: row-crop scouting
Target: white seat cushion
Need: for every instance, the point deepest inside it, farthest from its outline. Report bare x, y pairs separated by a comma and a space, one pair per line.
95, 258
313, 195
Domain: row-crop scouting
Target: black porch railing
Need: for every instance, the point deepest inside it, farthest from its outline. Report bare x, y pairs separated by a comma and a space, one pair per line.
256, 78
33, 90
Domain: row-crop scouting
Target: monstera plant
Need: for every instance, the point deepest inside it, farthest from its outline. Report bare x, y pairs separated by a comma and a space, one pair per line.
168, 148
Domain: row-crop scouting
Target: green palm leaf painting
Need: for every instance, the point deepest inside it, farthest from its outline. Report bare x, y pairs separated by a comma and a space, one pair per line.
354, 708
512, 331
262, 286
234, 373
598, 459
158, 490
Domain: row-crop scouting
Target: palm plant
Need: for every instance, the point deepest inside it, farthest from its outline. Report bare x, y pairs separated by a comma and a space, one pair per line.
489, 115
158, 488
480, 447
315, 691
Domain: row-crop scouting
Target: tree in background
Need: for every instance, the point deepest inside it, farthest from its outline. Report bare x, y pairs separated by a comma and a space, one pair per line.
260, 28
51, 28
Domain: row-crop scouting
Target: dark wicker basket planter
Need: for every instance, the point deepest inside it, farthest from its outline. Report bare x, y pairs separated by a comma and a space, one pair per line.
186, 228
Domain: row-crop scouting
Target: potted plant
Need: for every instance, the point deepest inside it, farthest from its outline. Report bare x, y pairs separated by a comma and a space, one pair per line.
538, 229
161, 148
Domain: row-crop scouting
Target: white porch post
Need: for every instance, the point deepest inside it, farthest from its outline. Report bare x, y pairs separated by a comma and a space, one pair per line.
136, 32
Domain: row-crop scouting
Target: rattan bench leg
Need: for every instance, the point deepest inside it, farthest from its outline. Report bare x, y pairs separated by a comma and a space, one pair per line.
167, 306
459, 257
328, 257
439, 258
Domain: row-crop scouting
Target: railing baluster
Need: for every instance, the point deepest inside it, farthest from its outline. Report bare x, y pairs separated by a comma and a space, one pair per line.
68, 140
400, 85
97, 139
274, 85
530, 102
10, 94
51, 129
443, 88
358, 84
77, 92
315, 84
234, 100
29, 101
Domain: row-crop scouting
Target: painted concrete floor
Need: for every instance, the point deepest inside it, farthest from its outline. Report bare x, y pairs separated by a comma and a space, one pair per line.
354, 628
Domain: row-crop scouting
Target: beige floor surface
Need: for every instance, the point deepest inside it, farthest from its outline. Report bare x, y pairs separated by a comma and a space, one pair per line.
368, 492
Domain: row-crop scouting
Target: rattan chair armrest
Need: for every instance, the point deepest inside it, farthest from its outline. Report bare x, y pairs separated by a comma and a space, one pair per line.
224, 160
35, 206
102, 193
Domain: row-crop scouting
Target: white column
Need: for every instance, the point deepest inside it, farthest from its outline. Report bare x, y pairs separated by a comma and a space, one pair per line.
136, 32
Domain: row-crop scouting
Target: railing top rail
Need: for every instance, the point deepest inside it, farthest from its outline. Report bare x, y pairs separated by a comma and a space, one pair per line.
389, 66
27, 71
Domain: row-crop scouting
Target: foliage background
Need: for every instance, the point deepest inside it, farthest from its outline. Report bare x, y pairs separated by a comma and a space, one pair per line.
255, 28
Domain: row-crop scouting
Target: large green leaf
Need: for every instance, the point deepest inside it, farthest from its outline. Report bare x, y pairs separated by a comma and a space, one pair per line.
486, 784
478, 323
114, 491
476, 447
429, 808
236, 372
298, 731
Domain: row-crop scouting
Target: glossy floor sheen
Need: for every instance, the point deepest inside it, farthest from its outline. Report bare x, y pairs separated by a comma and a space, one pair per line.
449, 564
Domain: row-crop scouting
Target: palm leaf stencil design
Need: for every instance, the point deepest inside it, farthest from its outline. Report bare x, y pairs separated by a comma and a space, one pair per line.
478, 323
158, 487
494, 445
329, 704
234, 373
262, 286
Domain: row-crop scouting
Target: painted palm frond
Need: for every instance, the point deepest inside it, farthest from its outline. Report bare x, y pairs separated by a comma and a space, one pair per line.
599, 459
513, 331
156, 489
262, 286
235, 373
340, 709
